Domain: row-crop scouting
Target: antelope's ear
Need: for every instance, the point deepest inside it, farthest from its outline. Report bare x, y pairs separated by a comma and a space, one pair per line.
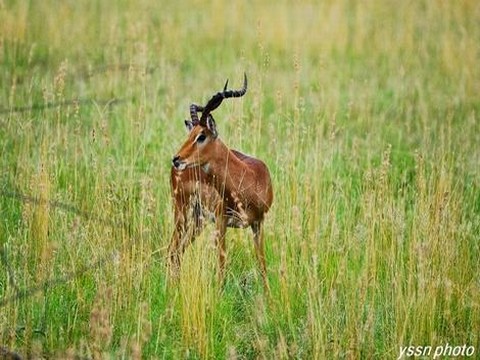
212, 126
189, 125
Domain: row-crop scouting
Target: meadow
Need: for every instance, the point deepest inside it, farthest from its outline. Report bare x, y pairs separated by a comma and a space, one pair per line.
367, 115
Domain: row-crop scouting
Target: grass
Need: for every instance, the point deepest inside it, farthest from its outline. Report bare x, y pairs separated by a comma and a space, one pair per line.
367, 114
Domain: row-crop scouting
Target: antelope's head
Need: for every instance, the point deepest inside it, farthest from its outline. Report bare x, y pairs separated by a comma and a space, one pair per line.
201, 142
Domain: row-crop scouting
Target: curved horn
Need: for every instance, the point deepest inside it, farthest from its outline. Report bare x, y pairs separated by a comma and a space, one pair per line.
236, 93
194, 110
217, 99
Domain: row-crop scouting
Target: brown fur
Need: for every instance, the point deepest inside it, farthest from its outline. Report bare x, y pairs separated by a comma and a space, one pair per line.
233, 188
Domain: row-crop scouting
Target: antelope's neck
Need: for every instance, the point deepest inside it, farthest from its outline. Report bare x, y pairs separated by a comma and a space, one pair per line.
229, 173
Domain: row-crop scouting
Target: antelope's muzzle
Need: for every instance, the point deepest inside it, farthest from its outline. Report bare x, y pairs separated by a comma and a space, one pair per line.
178, 163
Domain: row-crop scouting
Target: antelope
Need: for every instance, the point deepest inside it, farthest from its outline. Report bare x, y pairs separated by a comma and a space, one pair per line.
211, 181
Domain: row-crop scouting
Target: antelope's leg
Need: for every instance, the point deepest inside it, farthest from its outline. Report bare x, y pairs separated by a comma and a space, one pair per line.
257, 228
183, 235
221, 224
174, 249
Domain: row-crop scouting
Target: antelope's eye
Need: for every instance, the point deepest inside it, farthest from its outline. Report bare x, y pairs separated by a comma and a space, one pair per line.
201, 138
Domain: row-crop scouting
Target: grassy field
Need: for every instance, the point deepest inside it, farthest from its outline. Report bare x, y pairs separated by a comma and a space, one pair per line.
367, 114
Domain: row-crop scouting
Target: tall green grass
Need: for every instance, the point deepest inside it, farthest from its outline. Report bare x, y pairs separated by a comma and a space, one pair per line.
366, 114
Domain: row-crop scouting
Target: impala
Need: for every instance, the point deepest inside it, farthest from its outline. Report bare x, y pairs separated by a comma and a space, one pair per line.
211, 181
